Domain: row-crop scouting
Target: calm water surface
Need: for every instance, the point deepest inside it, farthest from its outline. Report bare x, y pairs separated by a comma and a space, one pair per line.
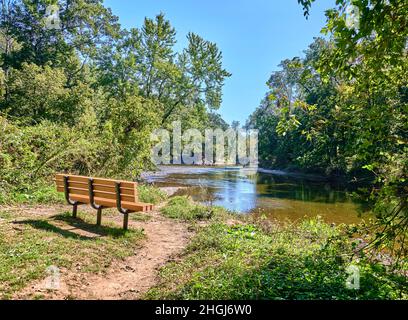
275, 194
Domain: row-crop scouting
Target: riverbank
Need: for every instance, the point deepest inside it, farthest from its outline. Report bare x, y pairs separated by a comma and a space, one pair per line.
182, 250
236, 258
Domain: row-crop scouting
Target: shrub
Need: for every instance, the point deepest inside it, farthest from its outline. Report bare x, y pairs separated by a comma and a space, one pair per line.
182, 207
150, 194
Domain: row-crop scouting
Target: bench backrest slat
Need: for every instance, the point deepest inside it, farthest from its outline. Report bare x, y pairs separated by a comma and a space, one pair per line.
104, 188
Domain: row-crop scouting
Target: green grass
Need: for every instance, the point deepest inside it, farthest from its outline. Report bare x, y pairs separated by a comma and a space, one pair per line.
306, 261
5, 215
183, 208
41, 194
140, 217
151, 194
29, 246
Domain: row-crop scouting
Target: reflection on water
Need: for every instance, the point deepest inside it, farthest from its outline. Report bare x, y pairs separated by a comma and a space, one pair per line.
279, 195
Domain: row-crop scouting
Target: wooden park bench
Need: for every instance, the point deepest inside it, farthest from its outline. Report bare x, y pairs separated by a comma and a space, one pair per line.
100, 194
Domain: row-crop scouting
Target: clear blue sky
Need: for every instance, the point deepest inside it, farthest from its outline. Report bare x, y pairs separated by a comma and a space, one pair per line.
254, 36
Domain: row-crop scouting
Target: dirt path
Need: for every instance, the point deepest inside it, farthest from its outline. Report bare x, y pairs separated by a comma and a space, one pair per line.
129, 280
124, 279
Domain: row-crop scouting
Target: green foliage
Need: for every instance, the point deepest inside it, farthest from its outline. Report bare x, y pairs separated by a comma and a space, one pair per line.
40, 93
307, 261
150, 194
342, 109
183, 208
85, 25
84, 98
31, 154
128, 133
306, 6
298, 118
145, 62
38, 195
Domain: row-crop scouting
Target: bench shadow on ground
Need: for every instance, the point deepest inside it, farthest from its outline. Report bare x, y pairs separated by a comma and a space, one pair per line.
74, 227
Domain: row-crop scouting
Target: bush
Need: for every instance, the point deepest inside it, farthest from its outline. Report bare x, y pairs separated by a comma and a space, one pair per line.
150, 194
38, 195
182, 207
31, 155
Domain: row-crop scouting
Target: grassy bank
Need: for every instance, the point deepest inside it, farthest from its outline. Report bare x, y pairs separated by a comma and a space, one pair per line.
260, 260
31, 244
33, 240
230, 257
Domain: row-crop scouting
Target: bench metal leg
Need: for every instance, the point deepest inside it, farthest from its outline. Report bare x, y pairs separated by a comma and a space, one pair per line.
99, 217
74, 204
125, 221
74, 210
125, 212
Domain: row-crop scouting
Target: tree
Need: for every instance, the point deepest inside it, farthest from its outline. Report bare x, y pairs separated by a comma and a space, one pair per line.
203, 75
216, 121
94, 90
145, 62
235, 125
84, 26
40, 93
371, 55
132, 121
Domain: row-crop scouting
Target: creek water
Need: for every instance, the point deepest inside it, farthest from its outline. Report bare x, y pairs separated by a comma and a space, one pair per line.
274, 194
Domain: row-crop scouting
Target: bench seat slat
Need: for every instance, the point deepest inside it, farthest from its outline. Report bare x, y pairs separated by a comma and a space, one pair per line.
100, 194
132, 206
97, 187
